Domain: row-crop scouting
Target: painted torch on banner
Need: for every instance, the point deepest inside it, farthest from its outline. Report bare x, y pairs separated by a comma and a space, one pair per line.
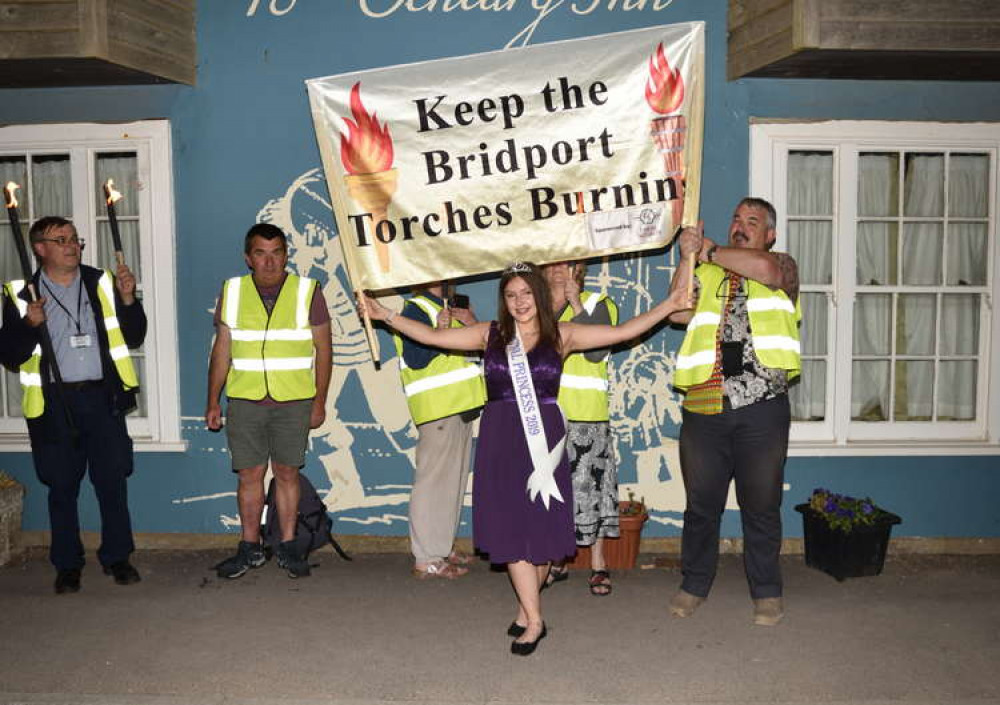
665, 95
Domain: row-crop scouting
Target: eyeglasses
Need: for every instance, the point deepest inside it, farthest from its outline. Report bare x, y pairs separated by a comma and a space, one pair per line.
63, 241
722, 292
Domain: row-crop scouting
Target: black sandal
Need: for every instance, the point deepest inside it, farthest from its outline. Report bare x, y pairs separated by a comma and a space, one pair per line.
600, 583
556, 575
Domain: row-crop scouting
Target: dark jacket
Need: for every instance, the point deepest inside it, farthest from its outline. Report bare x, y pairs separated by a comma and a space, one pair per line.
18, 339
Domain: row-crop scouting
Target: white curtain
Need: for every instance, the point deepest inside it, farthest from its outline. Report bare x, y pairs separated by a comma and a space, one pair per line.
918, 256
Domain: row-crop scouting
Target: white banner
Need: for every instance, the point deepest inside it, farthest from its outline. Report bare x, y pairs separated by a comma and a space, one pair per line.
567, 150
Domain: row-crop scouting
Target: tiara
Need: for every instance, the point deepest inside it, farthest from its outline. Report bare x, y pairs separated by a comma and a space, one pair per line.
517, 267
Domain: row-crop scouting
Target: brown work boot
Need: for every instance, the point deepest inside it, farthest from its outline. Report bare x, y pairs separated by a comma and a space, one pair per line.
768, 611
683, 604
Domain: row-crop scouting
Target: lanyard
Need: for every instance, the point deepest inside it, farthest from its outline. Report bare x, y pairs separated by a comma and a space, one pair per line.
79, 304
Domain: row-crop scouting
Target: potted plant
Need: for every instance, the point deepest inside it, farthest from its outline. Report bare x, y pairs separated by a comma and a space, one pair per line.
844, 536
619, 553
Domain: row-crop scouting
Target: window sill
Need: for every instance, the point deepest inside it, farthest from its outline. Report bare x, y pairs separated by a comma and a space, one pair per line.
20, 444
805, 449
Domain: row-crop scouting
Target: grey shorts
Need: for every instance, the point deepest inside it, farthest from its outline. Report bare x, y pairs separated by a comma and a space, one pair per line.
257, 432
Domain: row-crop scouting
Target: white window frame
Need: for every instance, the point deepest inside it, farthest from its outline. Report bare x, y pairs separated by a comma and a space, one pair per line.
770, 143
160, 430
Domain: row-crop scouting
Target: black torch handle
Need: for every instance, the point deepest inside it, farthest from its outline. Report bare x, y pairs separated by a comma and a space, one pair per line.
116, 236
45, 340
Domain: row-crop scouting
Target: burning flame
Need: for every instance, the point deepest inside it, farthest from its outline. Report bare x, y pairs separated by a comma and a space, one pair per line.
665, 87
9, 189
109, 191
367, 148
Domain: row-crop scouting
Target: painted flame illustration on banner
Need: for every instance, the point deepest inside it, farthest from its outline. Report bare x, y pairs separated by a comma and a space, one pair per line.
665, 95
367, 154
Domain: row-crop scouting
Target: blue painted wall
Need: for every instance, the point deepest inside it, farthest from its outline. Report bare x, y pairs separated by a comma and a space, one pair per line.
244, 134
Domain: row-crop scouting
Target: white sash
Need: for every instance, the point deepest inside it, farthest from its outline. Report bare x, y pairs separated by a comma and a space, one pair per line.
542, 480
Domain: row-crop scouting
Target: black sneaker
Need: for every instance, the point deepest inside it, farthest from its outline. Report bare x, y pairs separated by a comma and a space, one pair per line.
248, 555
290, 560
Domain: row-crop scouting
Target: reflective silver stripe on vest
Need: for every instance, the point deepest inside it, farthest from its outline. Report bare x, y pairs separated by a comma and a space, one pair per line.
705, 357
273, 334
775, 342
275, 364
31, 379
302, 309
705, 318
581, 382
428, 308
770, 304
442, 380
231, 314
591, 303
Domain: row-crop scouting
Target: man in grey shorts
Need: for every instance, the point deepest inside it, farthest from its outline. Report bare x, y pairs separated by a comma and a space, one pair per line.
273, 353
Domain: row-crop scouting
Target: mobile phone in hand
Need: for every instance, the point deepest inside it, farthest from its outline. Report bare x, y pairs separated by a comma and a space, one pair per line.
458, 301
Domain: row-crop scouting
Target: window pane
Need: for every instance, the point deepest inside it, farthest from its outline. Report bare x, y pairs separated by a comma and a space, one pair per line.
14, 393
122, 168
922, 253
129, 231
957, 391
923, 190
878, 245
808, 394
967, 254
814, 323
968, 185
810, 243
13, 169
810, 183
878, 184
872, 316
960, 324
870, 390
51, 186
914, 390
139, 360
915, 324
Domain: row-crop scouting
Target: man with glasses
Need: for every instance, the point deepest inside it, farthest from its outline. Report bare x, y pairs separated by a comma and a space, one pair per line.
739, 354
92, 318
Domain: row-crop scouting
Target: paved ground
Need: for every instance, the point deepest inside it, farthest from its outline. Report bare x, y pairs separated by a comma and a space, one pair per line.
926, 631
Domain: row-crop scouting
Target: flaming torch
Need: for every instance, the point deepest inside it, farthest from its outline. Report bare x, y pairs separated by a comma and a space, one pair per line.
366, 153
45, 341
665, 95
111, 197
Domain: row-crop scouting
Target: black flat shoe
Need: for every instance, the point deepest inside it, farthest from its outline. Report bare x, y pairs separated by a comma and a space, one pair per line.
67, 581
515, 630
123, 572
526, 648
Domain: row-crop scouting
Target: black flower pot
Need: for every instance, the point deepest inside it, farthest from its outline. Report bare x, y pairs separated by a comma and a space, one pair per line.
845, 554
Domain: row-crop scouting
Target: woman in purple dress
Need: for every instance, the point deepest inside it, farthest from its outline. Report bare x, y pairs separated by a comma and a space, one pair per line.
522, 512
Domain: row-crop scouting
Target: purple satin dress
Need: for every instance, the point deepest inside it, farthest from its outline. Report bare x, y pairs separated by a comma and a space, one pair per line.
505, 524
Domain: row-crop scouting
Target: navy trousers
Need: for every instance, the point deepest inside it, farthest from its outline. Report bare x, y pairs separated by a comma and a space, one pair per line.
749, 446
103, 449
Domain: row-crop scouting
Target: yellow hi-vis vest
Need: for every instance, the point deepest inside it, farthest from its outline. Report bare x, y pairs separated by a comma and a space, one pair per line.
450, 384
773, 329
272, 354
33, 401
583, 388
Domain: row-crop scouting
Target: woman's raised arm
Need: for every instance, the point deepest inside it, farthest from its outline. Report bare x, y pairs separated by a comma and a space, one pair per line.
465, 338
581, 336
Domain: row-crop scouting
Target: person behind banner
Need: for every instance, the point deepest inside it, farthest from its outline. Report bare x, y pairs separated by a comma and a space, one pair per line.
445, 393
583, 396
93, 319
273, 354
521, 508
739, 354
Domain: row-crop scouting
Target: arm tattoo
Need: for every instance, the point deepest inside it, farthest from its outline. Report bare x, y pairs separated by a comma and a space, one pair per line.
789, 275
